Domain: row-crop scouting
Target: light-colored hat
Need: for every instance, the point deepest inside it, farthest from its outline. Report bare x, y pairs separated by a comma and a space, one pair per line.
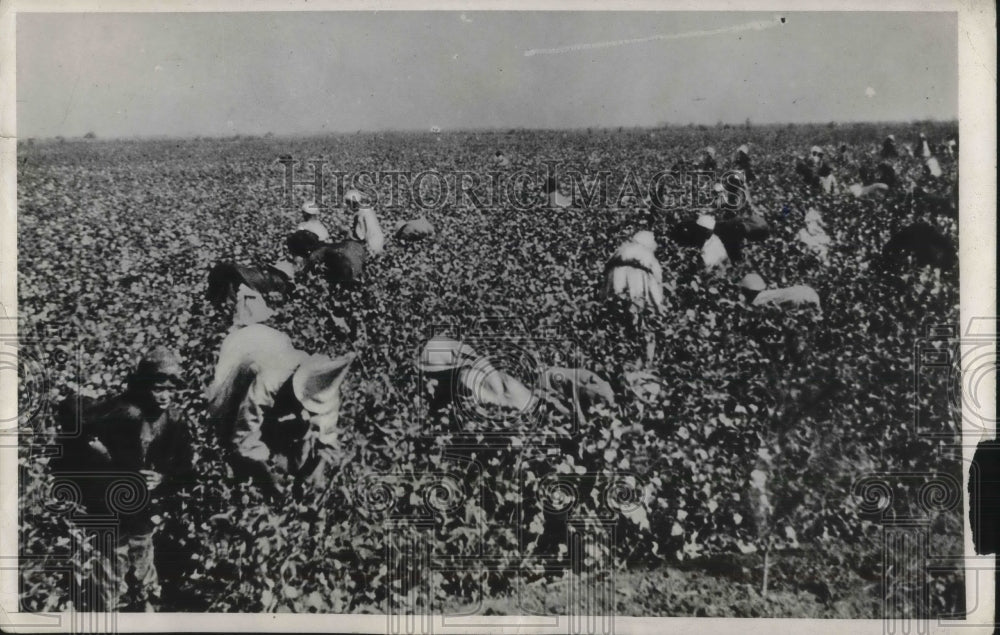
443, 353
753, 282
816, 150
646, 239
718, 187
353, 196
745, 149
310, 208
316, 382
711, 151
707, 222
250, 307
813, 216
891, 137
285, 267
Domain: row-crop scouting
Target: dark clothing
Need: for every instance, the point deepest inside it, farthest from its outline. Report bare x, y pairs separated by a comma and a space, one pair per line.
807, 173
225, 278
342, 262
885, 173
301, 243
924, 244
867, 174
889, 150
733, 233
744, 163
134, 440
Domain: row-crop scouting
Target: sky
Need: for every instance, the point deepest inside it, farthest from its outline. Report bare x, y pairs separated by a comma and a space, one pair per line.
219, 74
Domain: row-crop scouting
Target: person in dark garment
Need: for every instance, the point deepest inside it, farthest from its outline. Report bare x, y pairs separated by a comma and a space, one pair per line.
135, 445
889, 150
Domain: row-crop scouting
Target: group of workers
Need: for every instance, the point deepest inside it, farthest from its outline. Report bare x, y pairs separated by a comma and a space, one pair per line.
276, 408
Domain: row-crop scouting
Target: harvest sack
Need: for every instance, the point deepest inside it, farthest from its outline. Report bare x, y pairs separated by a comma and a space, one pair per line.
417, 229
794, 296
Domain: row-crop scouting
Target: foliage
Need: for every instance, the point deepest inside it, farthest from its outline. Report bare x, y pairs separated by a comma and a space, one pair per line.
759, 424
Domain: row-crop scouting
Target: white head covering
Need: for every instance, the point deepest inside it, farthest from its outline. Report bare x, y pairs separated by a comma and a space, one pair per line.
286, 268
646, 239
753, 282
250, 307
706, 221
310, 208
745, 149
353, 196
813, 216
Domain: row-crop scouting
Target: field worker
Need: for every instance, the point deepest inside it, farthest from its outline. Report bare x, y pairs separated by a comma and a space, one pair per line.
814, 235
254, 389
932, 168
575, 390
500, 160
138, 436
311, 222
708, 162
228, 282
923, 149
454, 371
634, 271
889, 150
553, 197
757, 294
414, 230
743, 162
713, 252
366, 227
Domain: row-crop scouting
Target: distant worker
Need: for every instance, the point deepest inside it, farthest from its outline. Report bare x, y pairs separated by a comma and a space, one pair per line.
311, 222
634, 271
366, 226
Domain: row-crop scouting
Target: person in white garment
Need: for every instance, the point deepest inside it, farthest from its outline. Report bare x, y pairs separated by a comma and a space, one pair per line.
453, 371
814, 235
262, 379
634, 271
366, 226
713, 252
311, 222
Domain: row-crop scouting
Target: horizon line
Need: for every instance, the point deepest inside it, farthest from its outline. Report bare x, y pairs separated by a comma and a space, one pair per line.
490, 130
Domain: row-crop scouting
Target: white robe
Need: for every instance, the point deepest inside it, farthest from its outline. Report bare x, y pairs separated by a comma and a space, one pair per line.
367, 229
642, 281
254, 362
713, 252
